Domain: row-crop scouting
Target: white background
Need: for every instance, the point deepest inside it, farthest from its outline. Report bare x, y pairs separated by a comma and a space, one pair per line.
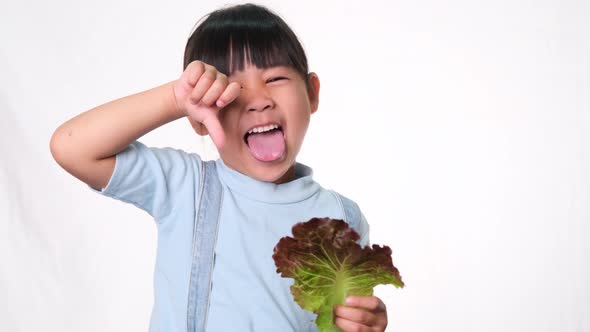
462, 128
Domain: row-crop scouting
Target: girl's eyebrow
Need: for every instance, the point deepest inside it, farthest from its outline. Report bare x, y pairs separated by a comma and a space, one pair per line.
263, 70
280, 67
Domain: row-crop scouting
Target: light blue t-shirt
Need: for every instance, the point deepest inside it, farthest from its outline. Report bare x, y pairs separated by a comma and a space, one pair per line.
247, 293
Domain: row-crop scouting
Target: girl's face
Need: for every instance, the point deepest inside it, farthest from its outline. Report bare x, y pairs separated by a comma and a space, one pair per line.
275, 96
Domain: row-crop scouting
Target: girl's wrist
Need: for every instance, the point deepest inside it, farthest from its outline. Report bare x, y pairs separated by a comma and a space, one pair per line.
174, 107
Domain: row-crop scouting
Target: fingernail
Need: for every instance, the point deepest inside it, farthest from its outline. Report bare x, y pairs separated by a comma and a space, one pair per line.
220, 103
349, 301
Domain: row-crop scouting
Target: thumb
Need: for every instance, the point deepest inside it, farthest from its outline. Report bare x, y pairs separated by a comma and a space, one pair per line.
214, 128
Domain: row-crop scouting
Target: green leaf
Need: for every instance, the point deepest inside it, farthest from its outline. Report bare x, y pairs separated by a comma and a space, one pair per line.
327, 264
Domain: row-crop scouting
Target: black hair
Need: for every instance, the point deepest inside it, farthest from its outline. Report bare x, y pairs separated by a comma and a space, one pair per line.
245, 31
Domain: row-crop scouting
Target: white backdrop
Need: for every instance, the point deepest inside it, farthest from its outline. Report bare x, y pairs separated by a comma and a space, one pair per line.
462, 128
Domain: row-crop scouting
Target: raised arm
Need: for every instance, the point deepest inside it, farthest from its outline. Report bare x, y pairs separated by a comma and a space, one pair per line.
86, 145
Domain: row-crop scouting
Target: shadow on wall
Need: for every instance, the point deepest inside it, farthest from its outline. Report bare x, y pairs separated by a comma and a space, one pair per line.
26, 184
29, 272
16, 159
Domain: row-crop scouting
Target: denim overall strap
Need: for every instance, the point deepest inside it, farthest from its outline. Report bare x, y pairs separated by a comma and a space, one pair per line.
204, 238
352, 212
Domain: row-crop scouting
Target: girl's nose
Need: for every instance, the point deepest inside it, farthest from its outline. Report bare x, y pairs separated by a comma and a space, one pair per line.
257, 98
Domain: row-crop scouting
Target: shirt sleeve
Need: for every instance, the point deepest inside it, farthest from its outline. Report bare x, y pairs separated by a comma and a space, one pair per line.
149, 177
364, 232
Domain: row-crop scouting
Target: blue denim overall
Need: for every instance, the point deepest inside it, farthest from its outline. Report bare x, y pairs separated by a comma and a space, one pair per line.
205, 237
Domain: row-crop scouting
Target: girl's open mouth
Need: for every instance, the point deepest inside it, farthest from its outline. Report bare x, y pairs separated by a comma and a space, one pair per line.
266, 145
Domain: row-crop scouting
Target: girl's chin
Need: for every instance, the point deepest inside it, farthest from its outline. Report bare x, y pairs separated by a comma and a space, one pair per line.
277, 177
276, 172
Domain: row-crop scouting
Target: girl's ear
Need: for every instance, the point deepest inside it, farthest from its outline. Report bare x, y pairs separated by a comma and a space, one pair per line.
313, 91
198, 127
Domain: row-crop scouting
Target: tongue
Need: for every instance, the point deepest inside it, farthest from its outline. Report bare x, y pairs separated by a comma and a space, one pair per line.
267, 146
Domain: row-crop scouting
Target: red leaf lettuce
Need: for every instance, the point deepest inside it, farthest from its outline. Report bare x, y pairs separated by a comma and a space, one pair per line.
328, 265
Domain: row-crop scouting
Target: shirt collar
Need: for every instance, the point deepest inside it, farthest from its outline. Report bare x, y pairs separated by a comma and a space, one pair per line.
298, 189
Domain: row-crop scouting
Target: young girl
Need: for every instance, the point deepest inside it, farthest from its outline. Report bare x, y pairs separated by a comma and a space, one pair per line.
246, 84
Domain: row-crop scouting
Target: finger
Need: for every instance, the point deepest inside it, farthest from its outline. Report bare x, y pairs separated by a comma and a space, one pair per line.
372, 303
192, 72
203, 84
232, 91
215, 90
214, 128
350, 326
356, 315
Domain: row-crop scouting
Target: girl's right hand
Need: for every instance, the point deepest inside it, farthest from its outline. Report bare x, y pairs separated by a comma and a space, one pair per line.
200, 92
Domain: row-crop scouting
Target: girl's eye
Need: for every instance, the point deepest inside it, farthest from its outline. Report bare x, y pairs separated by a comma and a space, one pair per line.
276, 79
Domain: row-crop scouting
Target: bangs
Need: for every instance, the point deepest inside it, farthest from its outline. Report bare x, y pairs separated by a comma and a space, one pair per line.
231, 37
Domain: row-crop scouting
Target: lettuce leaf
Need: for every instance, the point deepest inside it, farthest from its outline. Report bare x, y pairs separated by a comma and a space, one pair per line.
328, 265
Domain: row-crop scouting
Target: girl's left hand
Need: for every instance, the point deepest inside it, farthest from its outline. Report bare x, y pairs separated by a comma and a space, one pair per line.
361, 314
